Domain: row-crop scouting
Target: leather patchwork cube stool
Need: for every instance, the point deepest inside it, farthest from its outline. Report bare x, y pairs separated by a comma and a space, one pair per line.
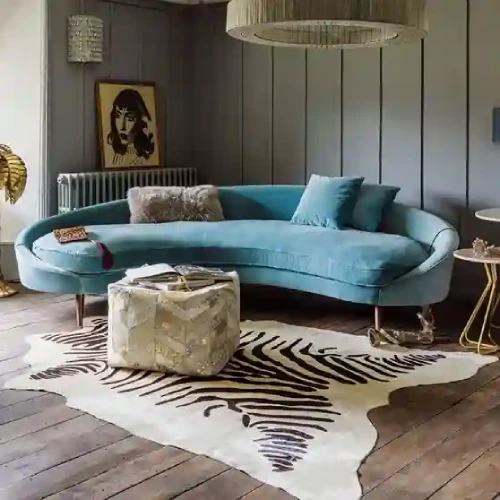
184, 332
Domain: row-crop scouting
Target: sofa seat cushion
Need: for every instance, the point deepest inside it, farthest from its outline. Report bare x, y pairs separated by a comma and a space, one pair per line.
349, 256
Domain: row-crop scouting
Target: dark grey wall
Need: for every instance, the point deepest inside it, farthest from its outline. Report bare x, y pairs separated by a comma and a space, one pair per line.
417, 116
144, 40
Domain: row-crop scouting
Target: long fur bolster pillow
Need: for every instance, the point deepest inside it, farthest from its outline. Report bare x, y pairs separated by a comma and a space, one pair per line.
168, 204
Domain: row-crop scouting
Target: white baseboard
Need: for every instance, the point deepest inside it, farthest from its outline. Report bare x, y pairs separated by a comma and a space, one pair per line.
8, 261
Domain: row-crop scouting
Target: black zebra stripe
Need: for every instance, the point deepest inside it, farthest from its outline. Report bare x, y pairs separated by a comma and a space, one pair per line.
277, 386
89, 347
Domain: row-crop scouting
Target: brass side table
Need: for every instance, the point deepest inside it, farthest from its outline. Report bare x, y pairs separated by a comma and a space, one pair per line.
489, 298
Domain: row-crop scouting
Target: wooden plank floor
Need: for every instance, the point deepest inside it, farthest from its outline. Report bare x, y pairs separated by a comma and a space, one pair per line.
440, 442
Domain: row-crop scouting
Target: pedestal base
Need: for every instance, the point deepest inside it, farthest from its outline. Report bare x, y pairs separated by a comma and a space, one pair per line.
6, 290
490, 297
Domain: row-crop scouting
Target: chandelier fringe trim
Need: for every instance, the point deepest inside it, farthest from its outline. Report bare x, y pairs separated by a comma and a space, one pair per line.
327, 23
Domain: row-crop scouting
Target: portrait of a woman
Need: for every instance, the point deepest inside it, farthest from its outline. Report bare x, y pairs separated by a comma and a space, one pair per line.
129, 135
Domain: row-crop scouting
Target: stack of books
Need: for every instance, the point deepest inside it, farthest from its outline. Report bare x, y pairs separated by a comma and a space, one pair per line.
176, 278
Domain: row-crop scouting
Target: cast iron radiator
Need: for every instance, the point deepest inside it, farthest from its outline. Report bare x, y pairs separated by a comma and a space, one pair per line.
86, 189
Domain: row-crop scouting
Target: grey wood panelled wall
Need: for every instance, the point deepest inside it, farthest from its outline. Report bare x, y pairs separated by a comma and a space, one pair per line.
144, 40
417, 116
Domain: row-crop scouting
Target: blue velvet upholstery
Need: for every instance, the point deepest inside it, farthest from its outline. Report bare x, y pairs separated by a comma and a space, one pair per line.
409, 262
351, 256
328, 201
371, 204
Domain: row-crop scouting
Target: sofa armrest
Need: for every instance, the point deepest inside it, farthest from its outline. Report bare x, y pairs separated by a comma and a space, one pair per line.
416, 224
25, 256
444, 243
428, 283
115, 212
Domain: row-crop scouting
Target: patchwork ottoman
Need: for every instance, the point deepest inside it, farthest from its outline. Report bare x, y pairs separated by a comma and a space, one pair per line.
188, 333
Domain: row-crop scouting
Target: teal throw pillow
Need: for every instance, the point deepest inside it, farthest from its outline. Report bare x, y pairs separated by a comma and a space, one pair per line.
373, 201
328, 201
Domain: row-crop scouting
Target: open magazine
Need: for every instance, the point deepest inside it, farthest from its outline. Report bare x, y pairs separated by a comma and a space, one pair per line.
181, 277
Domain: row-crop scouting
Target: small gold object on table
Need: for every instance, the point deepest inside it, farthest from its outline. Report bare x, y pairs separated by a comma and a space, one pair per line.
424, 337
489, 256
189, 332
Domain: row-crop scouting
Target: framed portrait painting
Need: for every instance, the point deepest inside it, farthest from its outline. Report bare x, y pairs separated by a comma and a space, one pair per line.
128, 124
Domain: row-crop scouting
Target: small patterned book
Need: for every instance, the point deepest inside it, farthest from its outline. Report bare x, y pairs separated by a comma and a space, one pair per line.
78, 233
69, 234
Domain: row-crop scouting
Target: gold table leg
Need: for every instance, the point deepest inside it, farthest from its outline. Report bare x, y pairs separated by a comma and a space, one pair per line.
491, 296
5, 289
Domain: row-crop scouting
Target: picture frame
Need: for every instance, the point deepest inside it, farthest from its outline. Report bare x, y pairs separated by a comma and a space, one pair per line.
127, 125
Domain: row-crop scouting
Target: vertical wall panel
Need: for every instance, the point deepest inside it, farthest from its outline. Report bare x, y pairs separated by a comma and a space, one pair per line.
257, 114
177, 81
484, 167
402, 121
362, 113
155, 65
289, 116
484, 155
93, 73
445, 108
324, 94
216, 99
126, 42
227, 96
65, 99
138, 45
202, 74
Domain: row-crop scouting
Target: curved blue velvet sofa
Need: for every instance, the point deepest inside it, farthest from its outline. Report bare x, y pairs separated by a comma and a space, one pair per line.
407, 263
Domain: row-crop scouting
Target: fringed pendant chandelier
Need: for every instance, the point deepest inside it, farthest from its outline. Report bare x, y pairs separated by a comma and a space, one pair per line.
327, 24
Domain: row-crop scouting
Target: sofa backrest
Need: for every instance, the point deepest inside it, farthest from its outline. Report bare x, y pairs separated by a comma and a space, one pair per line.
260, 202
278, 202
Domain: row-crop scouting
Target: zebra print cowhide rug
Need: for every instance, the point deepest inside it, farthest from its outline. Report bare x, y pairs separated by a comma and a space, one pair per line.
290, 408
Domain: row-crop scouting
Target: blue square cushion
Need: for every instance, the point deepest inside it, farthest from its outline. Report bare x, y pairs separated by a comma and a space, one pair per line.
328, 201
373, 200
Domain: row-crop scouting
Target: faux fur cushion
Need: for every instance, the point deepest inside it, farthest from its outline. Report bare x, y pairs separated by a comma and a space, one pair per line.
169, 204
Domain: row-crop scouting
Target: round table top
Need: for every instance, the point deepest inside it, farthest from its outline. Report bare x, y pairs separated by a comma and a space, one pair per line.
489, 214
468, 254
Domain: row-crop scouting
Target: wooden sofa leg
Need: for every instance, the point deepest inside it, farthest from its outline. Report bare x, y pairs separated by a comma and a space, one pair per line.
378, 318
80, 309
